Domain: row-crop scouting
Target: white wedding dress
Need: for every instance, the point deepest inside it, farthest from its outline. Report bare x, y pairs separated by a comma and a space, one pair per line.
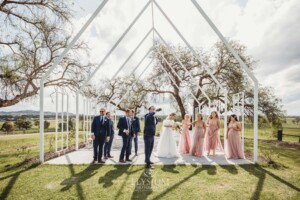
166, 146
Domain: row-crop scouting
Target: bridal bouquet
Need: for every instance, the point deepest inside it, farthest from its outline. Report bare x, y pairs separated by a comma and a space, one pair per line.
178, 127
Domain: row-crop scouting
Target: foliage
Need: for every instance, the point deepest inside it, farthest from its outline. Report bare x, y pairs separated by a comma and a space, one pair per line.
123, 92
32, 35
23, 124
8, 127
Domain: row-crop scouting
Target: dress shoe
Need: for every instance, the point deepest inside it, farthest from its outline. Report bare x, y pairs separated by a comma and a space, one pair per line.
93, 162
101, 161
105, 157
128, 160
136, 154
109, 156
122, 161
149, 167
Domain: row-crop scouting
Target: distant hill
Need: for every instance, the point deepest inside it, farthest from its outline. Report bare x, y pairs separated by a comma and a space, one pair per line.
28, 113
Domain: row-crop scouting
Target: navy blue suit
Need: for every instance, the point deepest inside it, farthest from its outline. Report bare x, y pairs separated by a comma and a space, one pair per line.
101, 130
149, 132
107, 146
124, 124
136, 128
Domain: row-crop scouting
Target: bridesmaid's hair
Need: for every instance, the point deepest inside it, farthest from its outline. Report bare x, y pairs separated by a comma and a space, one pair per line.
172, 114
234, 116
200, 115
217, 116
187, 115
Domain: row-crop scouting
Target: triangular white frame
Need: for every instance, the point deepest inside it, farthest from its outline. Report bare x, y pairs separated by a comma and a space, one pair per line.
97, 11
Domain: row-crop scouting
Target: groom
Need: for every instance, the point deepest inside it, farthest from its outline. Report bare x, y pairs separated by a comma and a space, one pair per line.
149, 132
100, 132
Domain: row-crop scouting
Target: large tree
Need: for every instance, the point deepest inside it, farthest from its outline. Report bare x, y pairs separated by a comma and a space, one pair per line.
222, 64
32, 35
122, 92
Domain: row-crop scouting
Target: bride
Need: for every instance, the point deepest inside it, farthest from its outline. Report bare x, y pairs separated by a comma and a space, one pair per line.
166, 146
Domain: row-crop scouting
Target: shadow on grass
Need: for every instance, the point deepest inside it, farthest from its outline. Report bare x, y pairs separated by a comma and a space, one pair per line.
143, 186
76, 179
108, 179
110, 176
230, 168
170, 168
13, 178
261, 173
141, 194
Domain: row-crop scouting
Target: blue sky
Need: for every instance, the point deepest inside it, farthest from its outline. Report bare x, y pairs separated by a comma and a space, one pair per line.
269, 28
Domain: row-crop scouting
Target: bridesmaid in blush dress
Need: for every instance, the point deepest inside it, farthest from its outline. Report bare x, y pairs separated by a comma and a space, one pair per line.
185, 141
198, 139
212, 134
234, 143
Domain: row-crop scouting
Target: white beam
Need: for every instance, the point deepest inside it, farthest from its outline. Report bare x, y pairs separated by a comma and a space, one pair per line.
115, 45
128, 58
136, 67
133, 83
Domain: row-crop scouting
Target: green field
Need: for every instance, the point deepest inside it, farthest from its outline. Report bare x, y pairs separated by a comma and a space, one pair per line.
266, 180
265, 133
261, 181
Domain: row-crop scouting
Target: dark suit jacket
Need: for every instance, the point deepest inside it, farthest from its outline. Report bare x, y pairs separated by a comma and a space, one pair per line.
112, 128
136, 128
100, 129
122, 125
150, 124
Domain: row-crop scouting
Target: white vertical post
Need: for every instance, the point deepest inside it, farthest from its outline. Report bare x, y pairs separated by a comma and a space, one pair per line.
62, 120
83, 117
77, 121
225, 121
243, 120
255, 123
56, 119
67, 124
42, 121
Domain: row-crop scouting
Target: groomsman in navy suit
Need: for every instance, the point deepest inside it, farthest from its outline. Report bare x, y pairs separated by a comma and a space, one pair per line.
125, 130
149, 133
100, 133
136, 129
107, 146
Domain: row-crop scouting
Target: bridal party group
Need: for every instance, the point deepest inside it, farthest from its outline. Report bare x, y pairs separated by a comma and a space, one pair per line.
204, 140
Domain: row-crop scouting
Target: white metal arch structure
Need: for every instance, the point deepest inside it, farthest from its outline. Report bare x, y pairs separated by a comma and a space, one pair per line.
97, 11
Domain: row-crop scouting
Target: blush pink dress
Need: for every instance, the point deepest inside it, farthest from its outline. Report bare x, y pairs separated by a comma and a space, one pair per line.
185, 141
212, 136
198, 141
234, 143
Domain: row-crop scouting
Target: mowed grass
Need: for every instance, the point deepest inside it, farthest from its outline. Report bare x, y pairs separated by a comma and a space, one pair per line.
165, 182
17, 148
261, 181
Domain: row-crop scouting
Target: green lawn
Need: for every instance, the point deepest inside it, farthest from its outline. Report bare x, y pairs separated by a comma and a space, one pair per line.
165, 182
278, 181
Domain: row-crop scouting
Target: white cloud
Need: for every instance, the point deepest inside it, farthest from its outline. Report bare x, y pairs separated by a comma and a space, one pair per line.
269, 28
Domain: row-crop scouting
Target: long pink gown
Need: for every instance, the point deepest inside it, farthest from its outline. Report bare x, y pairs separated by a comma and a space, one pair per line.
198, 141
185, 141
212, 136
234, 143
